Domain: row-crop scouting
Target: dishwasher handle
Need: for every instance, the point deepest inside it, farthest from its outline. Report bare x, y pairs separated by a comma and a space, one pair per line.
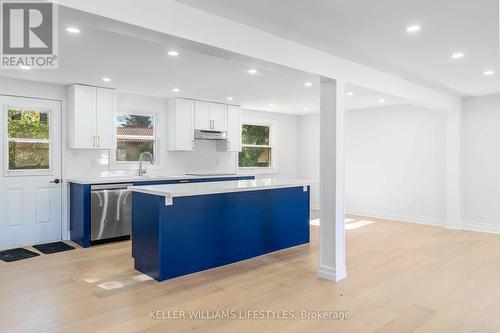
110, 187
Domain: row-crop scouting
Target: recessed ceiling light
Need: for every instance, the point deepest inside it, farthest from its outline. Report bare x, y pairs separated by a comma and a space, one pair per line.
308, 84
457, 55
173, 53
413, 28
252, 71
106, 79
176, 90
73, 30
306, 110
488, 73
24, 67
229, 98
381, 100
271, 104
350, 93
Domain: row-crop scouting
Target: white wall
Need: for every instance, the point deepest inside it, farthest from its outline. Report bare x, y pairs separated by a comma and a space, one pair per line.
481, 163
309, 140
285, 132
395, 165
207, 156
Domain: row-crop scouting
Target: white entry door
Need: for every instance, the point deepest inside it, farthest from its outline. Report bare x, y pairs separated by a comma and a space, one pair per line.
30, 182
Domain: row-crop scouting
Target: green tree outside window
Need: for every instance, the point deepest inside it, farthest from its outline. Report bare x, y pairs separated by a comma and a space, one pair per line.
256, 148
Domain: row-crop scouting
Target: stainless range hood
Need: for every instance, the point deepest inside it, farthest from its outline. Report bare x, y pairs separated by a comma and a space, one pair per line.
210, 135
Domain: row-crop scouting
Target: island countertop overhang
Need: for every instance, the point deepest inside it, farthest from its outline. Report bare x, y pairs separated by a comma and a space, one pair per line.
181, 190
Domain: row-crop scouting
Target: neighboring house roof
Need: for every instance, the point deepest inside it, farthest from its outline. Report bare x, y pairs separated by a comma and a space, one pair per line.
135, 131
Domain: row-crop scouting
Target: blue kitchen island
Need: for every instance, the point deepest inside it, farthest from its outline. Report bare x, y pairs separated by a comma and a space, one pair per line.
178, 230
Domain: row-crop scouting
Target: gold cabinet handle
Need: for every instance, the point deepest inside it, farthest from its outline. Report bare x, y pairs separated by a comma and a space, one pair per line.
93, 141
98, 141
192, 144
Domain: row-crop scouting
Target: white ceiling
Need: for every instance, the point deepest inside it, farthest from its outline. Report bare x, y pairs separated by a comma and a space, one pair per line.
137, 62
373, 33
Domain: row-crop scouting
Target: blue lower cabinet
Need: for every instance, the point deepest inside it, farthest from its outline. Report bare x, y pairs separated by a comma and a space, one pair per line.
202, 232
221, 179
246, 177
79, 216
155, 182
80, 205
187, 181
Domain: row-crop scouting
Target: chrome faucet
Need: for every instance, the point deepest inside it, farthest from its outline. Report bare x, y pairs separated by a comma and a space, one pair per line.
145, 154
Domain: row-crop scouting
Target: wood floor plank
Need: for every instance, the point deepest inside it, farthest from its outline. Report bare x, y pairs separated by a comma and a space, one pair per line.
402, 277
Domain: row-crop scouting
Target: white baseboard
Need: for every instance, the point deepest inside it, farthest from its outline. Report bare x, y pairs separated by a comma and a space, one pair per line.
480, 227
332, 274
428, 220
435, 221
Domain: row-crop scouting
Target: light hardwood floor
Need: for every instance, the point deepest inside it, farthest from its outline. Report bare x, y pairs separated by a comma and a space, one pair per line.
402, 277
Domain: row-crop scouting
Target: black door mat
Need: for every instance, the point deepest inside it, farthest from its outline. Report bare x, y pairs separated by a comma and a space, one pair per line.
55, 247
16, 254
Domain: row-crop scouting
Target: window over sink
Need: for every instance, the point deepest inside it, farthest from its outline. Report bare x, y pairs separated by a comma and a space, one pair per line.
135, 134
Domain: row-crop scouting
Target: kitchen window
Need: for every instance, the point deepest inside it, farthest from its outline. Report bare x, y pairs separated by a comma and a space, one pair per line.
135, 134
257, 150
28, 140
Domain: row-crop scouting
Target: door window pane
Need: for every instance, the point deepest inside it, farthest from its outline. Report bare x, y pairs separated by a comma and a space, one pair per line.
28, 124
29, 156
28, 137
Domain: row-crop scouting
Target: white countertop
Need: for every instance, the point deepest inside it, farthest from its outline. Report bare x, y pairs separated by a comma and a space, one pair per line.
182, 190
132, 179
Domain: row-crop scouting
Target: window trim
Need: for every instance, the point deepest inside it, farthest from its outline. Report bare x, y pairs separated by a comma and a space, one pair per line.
27, 172
155, 137
271, 123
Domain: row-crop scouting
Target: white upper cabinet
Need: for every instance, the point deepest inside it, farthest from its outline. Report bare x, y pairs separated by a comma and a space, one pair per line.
218, 116
233, 128
210, 116
202, 116
180, 124
91, 112
106, 117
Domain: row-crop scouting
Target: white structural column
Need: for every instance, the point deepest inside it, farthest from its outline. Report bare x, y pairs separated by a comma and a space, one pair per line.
453, 170
332, 180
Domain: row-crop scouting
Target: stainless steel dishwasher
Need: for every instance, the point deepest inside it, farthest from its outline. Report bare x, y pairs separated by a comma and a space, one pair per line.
111, 212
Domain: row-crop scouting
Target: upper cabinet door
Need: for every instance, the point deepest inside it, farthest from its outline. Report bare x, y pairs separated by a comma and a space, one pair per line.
82, 117
233, 128
184, 120
106, 114
218, 116
202, 119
